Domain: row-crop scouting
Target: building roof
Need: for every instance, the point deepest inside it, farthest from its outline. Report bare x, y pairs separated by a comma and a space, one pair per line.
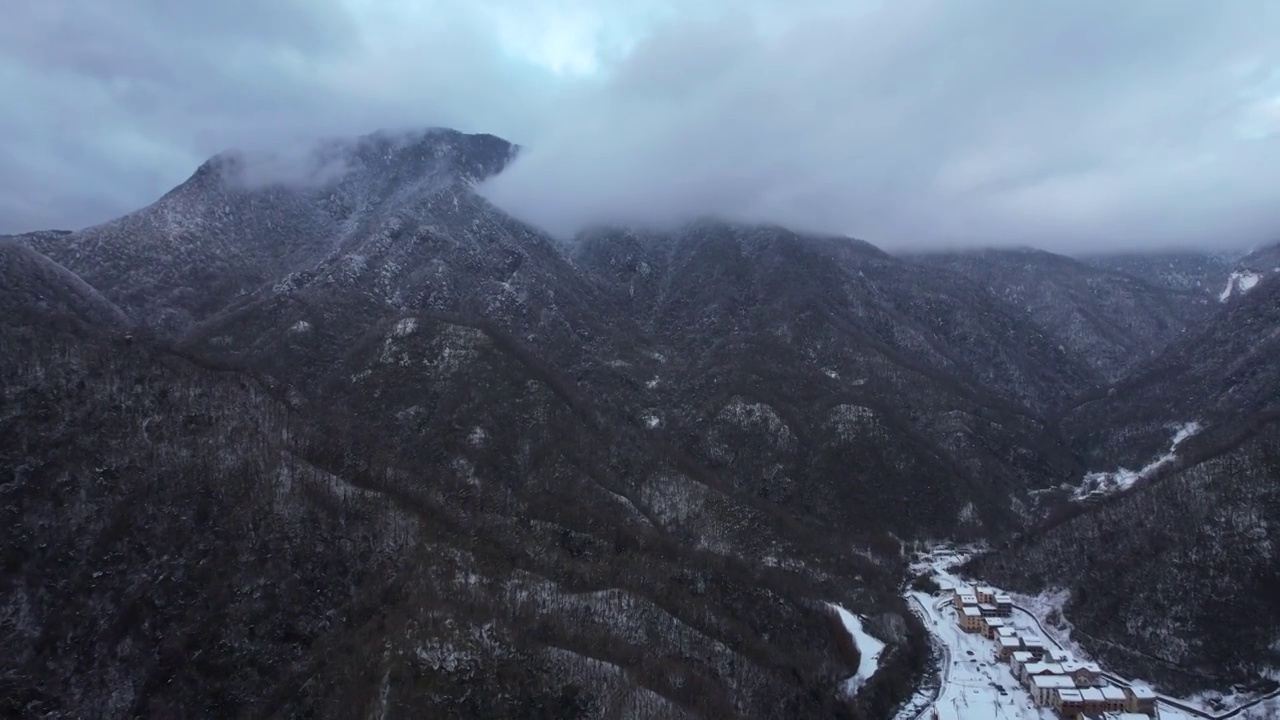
1074, 665
1111, 692
1091, 694
1053, 682
971, 611
1125, 716
1022, 656
985, 590
1142, 692
1009, 642
1033, 641
995, 622
1067, 695
1002, 599
1041, 668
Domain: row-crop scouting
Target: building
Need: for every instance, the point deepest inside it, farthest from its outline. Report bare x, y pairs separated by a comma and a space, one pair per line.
1044, 688
1086, 674
988, 610
1114, 698
1007, 631
986, 595
1093, 700
990, 626
970, 619
1034, 645
1017, 660
1032, 669
964, 595
1069, 703
1007, 646
1053, 654
1004, 605
1139, 699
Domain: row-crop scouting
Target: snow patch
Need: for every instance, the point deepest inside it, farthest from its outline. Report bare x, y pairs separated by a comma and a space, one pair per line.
652, 421
1106, 483
300, 327
404, 327
1241, 281
869, 649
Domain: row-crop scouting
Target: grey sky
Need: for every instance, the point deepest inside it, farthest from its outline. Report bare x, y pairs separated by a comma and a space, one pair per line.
1081, 125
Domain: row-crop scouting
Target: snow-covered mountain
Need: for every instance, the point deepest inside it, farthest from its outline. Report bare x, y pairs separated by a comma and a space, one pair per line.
620, 477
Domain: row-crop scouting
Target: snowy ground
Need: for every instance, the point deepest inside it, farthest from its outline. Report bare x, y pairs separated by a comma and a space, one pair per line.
1105, 483
869, 649
975, 685
978, 686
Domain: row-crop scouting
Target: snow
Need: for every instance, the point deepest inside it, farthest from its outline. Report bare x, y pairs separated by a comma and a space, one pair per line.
652, 421
975, 686
1119, 480
869, 649
1240, 280
405, 327
972, 676
300, 327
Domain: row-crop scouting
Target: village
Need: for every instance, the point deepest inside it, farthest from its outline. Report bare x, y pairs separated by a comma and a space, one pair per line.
1074, 689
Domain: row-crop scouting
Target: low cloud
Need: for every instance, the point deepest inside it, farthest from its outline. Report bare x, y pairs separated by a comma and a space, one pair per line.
1073, 126
1076, 126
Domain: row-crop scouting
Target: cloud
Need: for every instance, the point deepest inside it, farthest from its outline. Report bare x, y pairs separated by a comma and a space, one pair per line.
1076, 126
1070, 125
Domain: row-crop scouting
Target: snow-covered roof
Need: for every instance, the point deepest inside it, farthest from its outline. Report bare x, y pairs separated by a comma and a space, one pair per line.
1143, 693
1041, 668
995, 622
1022, 656
971, 611
1010, 642
1067, 695
1111, 692
1053, 682
1071, 666
1006, 632
1091, 694
1125, 716
1033, 641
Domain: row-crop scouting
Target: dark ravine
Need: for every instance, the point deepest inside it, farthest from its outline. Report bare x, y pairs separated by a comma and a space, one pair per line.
368, 445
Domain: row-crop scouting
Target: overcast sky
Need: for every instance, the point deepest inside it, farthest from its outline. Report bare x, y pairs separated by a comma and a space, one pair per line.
1075, 125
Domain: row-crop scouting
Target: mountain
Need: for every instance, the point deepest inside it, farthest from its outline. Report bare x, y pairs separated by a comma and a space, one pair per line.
1218, 376
1152, 572
408, 448
387, 450
1105, 314
35, 284
1177, 581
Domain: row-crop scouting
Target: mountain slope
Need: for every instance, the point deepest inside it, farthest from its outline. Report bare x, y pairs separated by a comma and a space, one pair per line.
1110, 320
1221, 375
1178, 581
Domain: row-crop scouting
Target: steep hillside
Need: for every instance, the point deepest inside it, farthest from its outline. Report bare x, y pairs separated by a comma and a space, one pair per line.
178, 542
244, 221
1179, 580
1217, 377
34, 283
1110, 320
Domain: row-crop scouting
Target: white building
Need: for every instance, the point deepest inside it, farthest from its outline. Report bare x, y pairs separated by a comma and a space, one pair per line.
1044, 688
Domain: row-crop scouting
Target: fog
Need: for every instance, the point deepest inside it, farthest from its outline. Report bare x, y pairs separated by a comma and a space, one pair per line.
1080, 127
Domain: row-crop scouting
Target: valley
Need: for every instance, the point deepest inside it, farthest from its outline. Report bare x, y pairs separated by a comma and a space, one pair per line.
982, 678
374, 445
